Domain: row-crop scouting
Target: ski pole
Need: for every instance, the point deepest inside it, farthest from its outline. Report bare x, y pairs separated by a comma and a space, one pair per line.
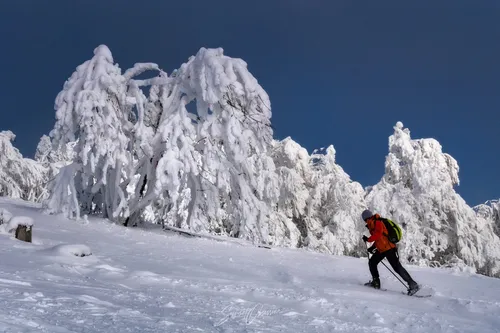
394, 275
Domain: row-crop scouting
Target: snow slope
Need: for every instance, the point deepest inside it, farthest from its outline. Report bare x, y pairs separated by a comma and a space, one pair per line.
151, 281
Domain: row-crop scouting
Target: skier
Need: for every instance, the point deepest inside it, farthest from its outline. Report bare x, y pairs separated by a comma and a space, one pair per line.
383, 248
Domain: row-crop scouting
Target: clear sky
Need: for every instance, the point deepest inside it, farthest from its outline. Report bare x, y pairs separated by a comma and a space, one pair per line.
337, 72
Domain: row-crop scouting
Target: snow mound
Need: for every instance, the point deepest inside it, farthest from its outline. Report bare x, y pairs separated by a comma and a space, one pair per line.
19, 220
79, 250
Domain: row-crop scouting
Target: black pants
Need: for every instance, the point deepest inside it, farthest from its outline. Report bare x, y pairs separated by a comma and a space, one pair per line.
393, 258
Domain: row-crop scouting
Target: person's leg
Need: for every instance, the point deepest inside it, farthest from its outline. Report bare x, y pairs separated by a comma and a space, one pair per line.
393, 258
372, 264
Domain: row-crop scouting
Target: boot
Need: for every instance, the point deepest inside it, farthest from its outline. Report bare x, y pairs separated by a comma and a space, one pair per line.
375, 283
413, 288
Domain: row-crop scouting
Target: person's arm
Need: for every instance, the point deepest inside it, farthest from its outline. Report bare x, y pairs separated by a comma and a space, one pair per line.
377, 233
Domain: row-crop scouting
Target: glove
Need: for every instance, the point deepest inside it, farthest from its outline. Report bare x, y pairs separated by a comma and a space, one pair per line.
365, 239
372, 249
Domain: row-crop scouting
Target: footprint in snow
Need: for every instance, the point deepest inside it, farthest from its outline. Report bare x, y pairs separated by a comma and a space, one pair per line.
110, 268
239, 300
149, 277
317, 321
110, 271
31, 297
94, 300
19, 283
291, 314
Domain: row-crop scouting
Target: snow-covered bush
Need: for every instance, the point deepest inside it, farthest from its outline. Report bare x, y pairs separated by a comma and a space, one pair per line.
20, 177
417, 191
5, 216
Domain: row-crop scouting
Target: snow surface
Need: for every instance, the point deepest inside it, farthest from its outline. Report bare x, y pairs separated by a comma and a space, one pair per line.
150, 281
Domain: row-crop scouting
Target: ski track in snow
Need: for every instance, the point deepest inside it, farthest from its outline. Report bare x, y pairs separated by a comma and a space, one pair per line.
150, 281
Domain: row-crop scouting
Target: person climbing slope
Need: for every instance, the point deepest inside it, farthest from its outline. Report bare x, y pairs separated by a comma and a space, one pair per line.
382, 248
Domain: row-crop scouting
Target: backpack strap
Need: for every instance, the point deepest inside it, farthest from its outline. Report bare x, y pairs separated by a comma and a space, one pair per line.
383, 220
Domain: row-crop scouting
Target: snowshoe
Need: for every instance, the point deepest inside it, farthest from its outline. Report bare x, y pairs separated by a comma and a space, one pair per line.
414, 287
375, 283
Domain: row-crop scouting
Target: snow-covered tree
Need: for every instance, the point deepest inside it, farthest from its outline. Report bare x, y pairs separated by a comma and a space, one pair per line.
54, 159
19, 177
233, 129
47, 155
43, 149
205, 169
210, 169
335, 206
490, 211
294, 183
319, 205
417, 191
171, 159
95, 110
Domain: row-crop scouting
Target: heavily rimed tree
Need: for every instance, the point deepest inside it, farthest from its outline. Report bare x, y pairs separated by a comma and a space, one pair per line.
20, 177
53, 159
319, 205
490, 211
210, 168
94, 109
334, 207
206, 169
417, 191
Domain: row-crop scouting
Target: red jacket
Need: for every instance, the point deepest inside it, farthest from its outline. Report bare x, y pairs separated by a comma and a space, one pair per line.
379, 233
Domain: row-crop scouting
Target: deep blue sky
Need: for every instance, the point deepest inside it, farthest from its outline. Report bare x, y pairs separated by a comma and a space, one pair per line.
337, 72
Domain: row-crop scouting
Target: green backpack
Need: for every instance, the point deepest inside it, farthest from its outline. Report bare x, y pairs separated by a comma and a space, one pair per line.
394, 231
